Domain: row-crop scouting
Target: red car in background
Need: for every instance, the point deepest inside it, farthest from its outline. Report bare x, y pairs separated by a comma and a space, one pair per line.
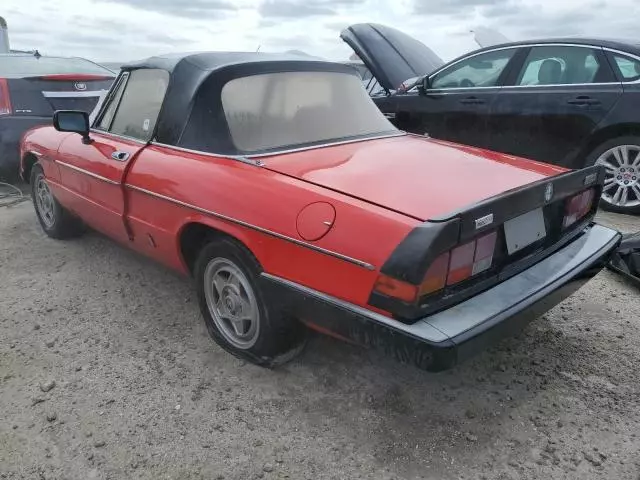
294, 203
33, 86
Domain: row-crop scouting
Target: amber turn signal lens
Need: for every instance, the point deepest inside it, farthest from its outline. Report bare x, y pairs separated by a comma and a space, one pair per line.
396, 288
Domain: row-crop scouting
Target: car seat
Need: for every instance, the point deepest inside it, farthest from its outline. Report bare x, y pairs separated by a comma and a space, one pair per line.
550, 72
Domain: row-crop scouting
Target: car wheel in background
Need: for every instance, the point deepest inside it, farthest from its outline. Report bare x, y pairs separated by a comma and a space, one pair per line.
621, 158
234, 308
55, 220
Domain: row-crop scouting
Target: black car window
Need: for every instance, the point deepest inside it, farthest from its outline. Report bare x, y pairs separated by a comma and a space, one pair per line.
559, 65
629, 68
139, 107
113, 100
478, 71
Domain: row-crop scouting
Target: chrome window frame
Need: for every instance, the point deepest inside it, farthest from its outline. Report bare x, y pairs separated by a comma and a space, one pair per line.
453, 90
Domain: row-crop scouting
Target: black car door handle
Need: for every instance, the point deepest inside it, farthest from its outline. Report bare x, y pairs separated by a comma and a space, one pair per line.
472, 101
583, 101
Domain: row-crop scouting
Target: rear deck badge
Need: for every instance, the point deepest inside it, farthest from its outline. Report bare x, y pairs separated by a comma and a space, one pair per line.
484, 221
80, 86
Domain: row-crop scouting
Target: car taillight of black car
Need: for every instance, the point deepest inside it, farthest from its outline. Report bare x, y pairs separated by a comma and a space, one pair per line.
492, 256
5, 99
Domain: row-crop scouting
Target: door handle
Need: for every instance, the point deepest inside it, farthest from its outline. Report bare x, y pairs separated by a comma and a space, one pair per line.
472, 101
120, 156
583, 100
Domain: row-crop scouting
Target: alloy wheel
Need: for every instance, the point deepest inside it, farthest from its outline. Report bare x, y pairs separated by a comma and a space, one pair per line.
44, 202
232, 303
622, 180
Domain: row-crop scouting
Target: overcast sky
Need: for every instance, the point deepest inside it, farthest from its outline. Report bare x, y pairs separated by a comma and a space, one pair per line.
123, 30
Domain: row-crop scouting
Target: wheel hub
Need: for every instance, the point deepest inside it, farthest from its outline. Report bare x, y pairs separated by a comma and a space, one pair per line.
232, 303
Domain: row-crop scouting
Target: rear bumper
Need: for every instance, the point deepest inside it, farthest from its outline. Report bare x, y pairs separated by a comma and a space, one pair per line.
11, 130
442, 340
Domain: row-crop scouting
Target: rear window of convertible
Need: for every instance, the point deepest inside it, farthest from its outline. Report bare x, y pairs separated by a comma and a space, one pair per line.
276, 110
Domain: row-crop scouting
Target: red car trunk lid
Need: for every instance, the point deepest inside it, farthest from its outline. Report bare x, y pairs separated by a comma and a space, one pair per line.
419, 177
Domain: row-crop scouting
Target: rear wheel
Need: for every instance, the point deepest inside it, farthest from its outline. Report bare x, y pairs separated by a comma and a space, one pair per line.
621, 159
234, 309
54, 219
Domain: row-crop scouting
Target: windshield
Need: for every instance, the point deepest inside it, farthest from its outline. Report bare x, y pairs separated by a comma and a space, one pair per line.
29, 65
296, 108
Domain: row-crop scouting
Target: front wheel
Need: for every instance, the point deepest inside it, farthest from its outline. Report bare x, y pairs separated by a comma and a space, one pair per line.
54, 219
621, 159
234, 308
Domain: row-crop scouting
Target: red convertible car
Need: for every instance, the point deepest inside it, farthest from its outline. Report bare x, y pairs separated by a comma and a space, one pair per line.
292, 201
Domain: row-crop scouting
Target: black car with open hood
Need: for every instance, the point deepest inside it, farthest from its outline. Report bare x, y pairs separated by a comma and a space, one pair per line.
571, 102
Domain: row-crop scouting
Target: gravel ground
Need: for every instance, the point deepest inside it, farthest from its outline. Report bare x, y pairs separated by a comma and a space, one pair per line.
107, 372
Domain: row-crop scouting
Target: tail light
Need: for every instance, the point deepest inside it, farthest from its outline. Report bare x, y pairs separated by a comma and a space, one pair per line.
455, 266
577, 207
5, 100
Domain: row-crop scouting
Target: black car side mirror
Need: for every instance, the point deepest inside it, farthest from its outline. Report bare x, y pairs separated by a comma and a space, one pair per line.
75, 121
424, 86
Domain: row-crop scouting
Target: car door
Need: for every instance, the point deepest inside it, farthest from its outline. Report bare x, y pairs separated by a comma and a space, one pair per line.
553, 102
456, 103
93, 173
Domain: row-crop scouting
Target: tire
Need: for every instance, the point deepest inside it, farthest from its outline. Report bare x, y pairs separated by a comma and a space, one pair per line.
611, 153
226, 276
54, 219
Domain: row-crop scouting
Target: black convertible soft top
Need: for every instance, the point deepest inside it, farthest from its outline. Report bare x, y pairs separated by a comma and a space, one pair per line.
201, 76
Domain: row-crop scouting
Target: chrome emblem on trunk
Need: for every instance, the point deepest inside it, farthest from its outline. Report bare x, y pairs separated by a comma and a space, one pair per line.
484, 221
548, 192
80, 86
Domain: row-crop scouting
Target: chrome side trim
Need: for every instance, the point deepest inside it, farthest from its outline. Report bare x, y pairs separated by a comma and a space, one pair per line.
221, 216
553, 85
423, 331
86, 172
199, 152
529, 45
245, 158
92, 93
36, 153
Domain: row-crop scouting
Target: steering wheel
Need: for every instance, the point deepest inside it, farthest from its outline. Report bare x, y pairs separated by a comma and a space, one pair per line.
466, 83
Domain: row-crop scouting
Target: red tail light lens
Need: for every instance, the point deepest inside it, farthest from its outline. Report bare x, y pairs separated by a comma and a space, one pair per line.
436, 277
461, 263
577, 207
452, 267
5, 100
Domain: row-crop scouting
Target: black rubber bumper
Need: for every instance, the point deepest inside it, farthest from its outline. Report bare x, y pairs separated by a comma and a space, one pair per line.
364, 327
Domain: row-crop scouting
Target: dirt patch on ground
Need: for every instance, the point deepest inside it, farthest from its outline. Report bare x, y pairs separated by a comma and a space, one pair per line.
107, 372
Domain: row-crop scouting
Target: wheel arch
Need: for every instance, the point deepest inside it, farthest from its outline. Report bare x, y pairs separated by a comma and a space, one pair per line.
26, 165
604, 135
197, 232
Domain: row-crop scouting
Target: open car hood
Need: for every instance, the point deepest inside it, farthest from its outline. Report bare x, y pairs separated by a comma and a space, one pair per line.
390, 55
